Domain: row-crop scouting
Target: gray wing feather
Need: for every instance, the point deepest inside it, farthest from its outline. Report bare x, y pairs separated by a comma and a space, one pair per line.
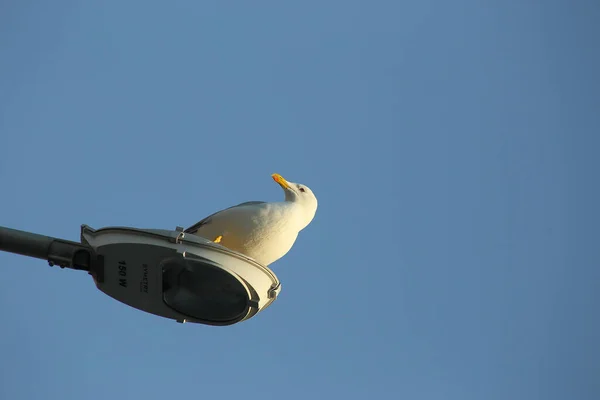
194, 228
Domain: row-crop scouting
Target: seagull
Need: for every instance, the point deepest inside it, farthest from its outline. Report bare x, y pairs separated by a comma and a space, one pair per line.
263, 231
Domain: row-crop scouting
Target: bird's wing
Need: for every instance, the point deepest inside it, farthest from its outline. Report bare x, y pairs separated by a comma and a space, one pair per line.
194, 228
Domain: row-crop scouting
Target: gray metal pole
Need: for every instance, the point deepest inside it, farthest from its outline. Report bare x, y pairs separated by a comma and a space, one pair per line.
63, 253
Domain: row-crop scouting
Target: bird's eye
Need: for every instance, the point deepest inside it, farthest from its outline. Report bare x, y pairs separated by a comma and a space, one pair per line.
302, 190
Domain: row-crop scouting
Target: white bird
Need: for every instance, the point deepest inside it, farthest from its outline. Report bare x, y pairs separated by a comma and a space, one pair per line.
262, 231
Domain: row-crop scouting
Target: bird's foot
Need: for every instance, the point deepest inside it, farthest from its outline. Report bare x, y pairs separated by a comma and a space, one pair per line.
218, 239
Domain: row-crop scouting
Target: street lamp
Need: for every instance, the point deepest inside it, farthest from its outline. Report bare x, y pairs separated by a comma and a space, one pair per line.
167, 273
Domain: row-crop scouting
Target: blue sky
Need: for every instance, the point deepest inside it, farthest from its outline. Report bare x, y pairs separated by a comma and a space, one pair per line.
452, 145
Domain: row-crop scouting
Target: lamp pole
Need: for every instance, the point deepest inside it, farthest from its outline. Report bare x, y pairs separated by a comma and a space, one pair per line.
63, 253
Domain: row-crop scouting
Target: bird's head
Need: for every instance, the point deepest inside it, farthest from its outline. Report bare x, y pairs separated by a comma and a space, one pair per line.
299, 194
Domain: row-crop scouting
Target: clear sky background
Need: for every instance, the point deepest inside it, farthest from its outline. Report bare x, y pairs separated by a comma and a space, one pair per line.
453, 147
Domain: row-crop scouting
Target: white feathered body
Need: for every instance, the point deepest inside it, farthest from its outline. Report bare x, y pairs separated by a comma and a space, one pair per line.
265, 232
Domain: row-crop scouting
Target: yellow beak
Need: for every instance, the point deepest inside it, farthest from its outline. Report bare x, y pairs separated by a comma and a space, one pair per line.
279, 179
